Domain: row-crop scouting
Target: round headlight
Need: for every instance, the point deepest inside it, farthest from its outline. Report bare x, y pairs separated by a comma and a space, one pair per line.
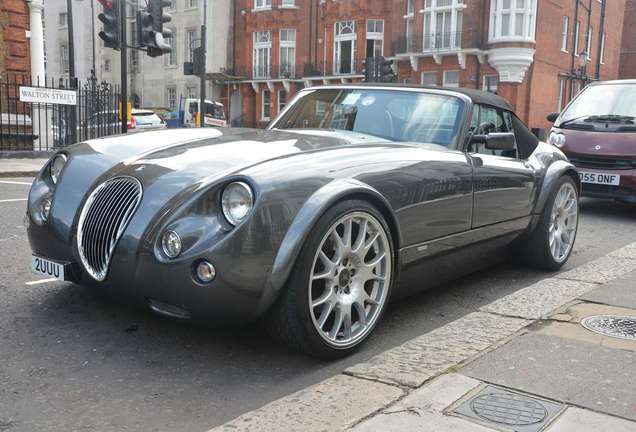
237, 202
56, 167
171, 244
556, 139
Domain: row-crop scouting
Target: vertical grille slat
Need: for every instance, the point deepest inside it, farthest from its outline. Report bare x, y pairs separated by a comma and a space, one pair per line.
105, 216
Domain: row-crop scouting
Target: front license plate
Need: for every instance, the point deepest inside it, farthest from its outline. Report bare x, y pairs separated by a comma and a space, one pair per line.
600, 178
48, 268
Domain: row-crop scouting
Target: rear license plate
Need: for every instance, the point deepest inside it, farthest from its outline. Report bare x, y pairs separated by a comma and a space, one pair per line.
600, 178
48, 268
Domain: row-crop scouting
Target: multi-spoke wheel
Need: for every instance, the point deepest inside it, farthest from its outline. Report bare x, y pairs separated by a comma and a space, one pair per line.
551, 243
340, 285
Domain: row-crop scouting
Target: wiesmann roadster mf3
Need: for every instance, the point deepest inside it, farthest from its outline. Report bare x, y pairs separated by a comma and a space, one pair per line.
353, 195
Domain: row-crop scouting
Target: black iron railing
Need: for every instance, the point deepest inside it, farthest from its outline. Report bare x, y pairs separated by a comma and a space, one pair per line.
43, 126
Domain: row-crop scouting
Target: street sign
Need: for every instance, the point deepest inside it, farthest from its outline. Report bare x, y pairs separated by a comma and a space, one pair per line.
48, 95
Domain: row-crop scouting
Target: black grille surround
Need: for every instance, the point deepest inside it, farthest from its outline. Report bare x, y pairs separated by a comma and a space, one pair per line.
603, 162
104, 217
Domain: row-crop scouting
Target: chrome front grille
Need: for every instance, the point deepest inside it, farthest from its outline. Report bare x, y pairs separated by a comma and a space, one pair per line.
104, 218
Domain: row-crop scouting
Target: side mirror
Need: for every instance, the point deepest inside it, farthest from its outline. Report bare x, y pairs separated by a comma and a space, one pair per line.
496, 140
552, 117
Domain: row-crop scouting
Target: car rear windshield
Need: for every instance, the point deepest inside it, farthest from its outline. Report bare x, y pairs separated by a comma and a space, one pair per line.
603, 100
215, 111
390, 114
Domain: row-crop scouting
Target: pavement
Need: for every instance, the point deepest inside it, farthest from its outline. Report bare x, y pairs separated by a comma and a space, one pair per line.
523, 363
16, 167
74, 359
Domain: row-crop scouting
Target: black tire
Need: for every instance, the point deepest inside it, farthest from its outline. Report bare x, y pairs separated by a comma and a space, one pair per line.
535, 250
289, 322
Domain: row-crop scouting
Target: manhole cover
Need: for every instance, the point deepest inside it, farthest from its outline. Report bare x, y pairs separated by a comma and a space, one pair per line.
509, 409
621, 327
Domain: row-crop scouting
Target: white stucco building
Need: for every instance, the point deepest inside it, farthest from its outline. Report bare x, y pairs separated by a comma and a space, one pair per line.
152, 82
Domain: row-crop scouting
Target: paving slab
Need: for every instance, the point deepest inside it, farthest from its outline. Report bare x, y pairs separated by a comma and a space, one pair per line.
580, 420
571, 371
620, 292
332, 405
20, 167
423, 409
628, 251
422, 358
604, 269
539, 299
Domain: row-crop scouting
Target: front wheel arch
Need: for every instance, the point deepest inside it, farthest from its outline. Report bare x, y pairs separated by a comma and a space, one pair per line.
306, 219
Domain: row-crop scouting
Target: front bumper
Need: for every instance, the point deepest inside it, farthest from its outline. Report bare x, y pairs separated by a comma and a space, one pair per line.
235, 296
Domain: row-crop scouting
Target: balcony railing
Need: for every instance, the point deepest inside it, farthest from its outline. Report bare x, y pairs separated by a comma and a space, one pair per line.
281, 71
435, 42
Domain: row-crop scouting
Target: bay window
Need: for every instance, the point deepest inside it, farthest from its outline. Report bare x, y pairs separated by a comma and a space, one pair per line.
513, 20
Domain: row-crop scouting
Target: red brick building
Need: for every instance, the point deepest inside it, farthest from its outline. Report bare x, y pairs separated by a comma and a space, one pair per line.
535, 53
628, 51
14, 45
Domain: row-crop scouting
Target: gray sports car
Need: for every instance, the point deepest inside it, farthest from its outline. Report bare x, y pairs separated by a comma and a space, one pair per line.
354, 194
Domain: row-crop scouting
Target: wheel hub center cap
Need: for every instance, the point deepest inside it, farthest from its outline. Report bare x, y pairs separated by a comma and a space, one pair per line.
344, 277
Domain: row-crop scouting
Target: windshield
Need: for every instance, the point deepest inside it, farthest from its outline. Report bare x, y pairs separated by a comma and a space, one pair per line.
390, 114
602, 100
215, 111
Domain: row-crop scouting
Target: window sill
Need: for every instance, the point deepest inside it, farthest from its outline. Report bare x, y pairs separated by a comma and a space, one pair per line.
190, 9
288, 7
262, 9
565, 51
511, 39
170, 66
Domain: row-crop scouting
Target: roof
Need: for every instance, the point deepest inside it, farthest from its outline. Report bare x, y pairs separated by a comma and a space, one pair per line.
477, 96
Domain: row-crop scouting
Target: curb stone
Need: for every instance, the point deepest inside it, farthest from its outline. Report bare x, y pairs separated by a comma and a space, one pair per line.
395, 374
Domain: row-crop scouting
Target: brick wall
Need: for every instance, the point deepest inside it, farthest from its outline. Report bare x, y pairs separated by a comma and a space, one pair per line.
14, 45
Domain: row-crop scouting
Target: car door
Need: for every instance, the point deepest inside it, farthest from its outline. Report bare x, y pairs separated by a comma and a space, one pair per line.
504, 183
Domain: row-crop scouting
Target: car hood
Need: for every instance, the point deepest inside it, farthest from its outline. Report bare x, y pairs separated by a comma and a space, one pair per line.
617, 144
179, 162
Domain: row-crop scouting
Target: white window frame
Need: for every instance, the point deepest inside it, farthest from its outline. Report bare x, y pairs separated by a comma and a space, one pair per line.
64, 62
429, 73
288, 4
65, 23
278, 95
339, 37
497, 11
561, 94
375, 35
565, 32
263, 117
262, 41
192, 4
107, 65
602, 53
577, 30
588, 46
484, 83
435, 38
169, 90
445, 82
190, 36
262, 4
191, 92
171, 59
287, 49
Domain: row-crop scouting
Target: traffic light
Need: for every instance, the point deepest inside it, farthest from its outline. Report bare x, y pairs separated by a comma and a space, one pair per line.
386, 70
157, 45
367, 69
144, 28
110, 17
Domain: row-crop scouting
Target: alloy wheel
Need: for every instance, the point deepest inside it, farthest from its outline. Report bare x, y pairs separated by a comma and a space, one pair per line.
350, 279
563, 222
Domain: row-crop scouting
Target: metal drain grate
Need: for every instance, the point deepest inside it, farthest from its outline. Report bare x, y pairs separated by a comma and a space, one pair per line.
621, 327
509, 409
501, 408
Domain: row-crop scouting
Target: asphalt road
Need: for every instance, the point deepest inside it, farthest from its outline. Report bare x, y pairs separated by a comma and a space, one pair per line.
73, 360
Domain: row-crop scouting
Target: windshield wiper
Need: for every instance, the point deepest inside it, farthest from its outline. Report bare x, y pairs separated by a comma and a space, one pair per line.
575, 119
610, 118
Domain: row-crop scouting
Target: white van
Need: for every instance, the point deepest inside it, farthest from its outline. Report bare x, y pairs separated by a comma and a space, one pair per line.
214, 113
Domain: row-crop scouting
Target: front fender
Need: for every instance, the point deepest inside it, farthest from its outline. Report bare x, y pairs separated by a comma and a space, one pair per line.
307, 217
554, 172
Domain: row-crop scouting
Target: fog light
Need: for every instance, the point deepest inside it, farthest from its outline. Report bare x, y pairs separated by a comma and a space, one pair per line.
171, 244
205, 272
46, 208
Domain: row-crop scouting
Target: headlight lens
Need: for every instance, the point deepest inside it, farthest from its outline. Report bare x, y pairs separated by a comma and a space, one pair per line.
237, 202
46, 209
556, 139
56, 167
171, 244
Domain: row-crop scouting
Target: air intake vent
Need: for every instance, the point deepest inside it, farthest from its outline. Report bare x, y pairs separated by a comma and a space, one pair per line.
103, 220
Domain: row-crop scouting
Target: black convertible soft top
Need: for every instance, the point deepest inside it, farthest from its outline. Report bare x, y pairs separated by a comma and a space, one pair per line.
477, 96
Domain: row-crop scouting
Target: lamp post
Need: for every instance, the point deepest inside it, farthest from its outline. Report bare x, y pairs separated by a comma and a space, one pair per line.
203, 48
